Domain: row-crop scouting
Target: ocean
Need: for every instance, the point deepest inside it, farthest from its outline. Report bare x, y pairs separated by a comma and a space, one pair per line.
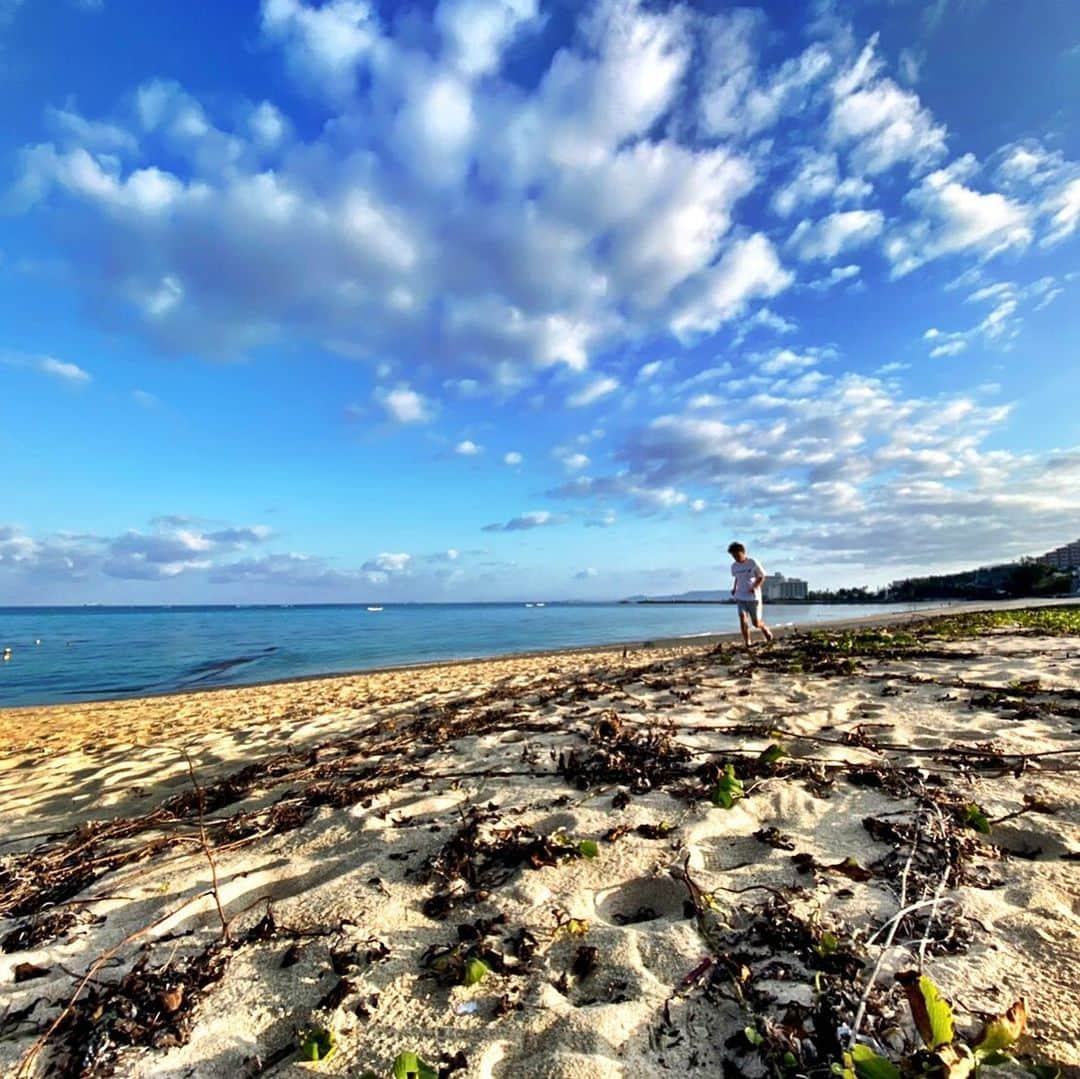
63, 654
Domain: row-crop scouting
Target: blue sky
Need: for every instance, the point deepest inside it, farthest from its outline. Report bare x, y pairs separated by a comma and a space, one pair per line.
495, 299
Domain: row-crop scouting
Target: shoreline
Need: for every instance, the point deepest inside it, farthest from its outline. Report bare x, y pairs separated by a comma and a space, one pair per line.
890, 617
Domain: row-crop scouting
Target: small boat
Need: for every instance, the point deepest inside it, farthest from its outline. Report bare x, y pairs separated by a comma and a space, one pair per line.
528, 605
374, 608
539, 604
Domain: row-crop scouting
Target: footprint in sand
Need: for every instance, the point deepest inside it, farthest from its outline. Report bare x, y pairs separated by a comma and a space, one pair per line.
641, 901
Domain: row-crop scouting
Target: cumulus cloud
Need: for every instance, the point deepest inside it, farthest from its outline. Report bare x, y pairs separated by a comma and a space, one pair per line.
953, 218
467, 448
404, 405
817, 178
827, 238
512, 458
855, 459
389, 562
878, 123
528, 521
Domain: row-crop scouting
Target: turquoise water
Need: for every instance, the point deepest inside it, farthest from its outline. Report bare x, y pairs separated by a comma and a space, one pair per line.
100, 653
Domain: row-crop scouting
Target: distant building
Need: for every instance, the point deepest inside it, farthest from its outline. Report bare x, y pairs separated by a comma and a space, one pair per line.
1067, 557
777, 588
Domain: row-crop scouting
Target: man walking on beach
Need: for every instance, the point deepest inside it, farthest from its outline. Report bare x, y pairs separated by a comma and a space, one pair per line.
749, 576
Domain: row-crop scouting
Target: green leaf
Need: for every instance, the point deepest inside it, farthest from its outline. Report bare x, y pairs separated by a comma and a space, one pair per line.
868, 1065
410, 1066
729, 788
475, 971
931, 1012
772, 754
828, 944
1002, 1031
318, 1044
752, 1036
589, 848
975, 817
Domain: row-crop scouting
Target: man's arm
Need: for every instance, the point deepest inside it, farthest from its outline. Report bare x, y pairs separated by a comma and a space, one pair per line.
759, 577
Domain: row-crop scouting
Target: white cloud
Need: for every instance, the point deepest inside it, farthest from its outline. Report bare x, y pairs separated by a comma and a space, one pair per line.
478, 31
513, 458
953, 219
827, 238
880, 124
949, 348
786, 361
575, 462
145, 399
749, 270
587, 574
467, 448
404, 405
847, 469
389, 563
528, 521
325, 44
66, 372
739, 99
1064, 209
837, 275
596, 390
648, 371
816, 178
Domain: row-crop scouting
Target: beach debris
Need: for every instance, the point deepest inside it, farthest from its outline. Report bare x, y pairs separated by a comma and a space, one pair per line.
655, 831
943, 1054
773, 837
589, 848
318, 1044
975, 817
475, 971
25, 972
409, 1066
482, 855
728, 790
639, 759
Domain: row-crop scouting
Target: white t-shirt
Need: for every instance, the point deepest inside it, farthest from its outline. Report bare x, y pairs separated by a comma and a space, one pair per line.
744, 572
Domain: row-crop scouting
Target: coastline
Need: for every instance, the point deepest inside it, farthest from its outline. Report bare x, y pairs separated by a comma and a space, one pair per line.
350, 802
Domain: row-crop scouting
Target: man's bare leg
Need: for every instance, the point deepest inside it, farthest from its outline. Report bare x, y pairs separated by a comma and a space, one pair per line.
744, 625
765, 631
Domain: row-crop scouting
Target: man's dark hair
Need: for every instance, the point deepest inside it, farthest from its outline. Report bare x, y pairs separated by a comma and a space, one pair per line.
735, 548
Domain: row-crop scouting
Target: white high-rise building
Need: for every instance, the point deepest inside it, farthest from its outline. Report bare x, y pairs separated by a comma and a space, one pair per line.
1066, 557
777, 588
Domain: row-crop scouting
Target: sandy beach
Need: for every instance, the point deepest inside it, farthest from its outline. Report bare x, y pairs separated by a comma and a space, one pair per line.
530, 866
